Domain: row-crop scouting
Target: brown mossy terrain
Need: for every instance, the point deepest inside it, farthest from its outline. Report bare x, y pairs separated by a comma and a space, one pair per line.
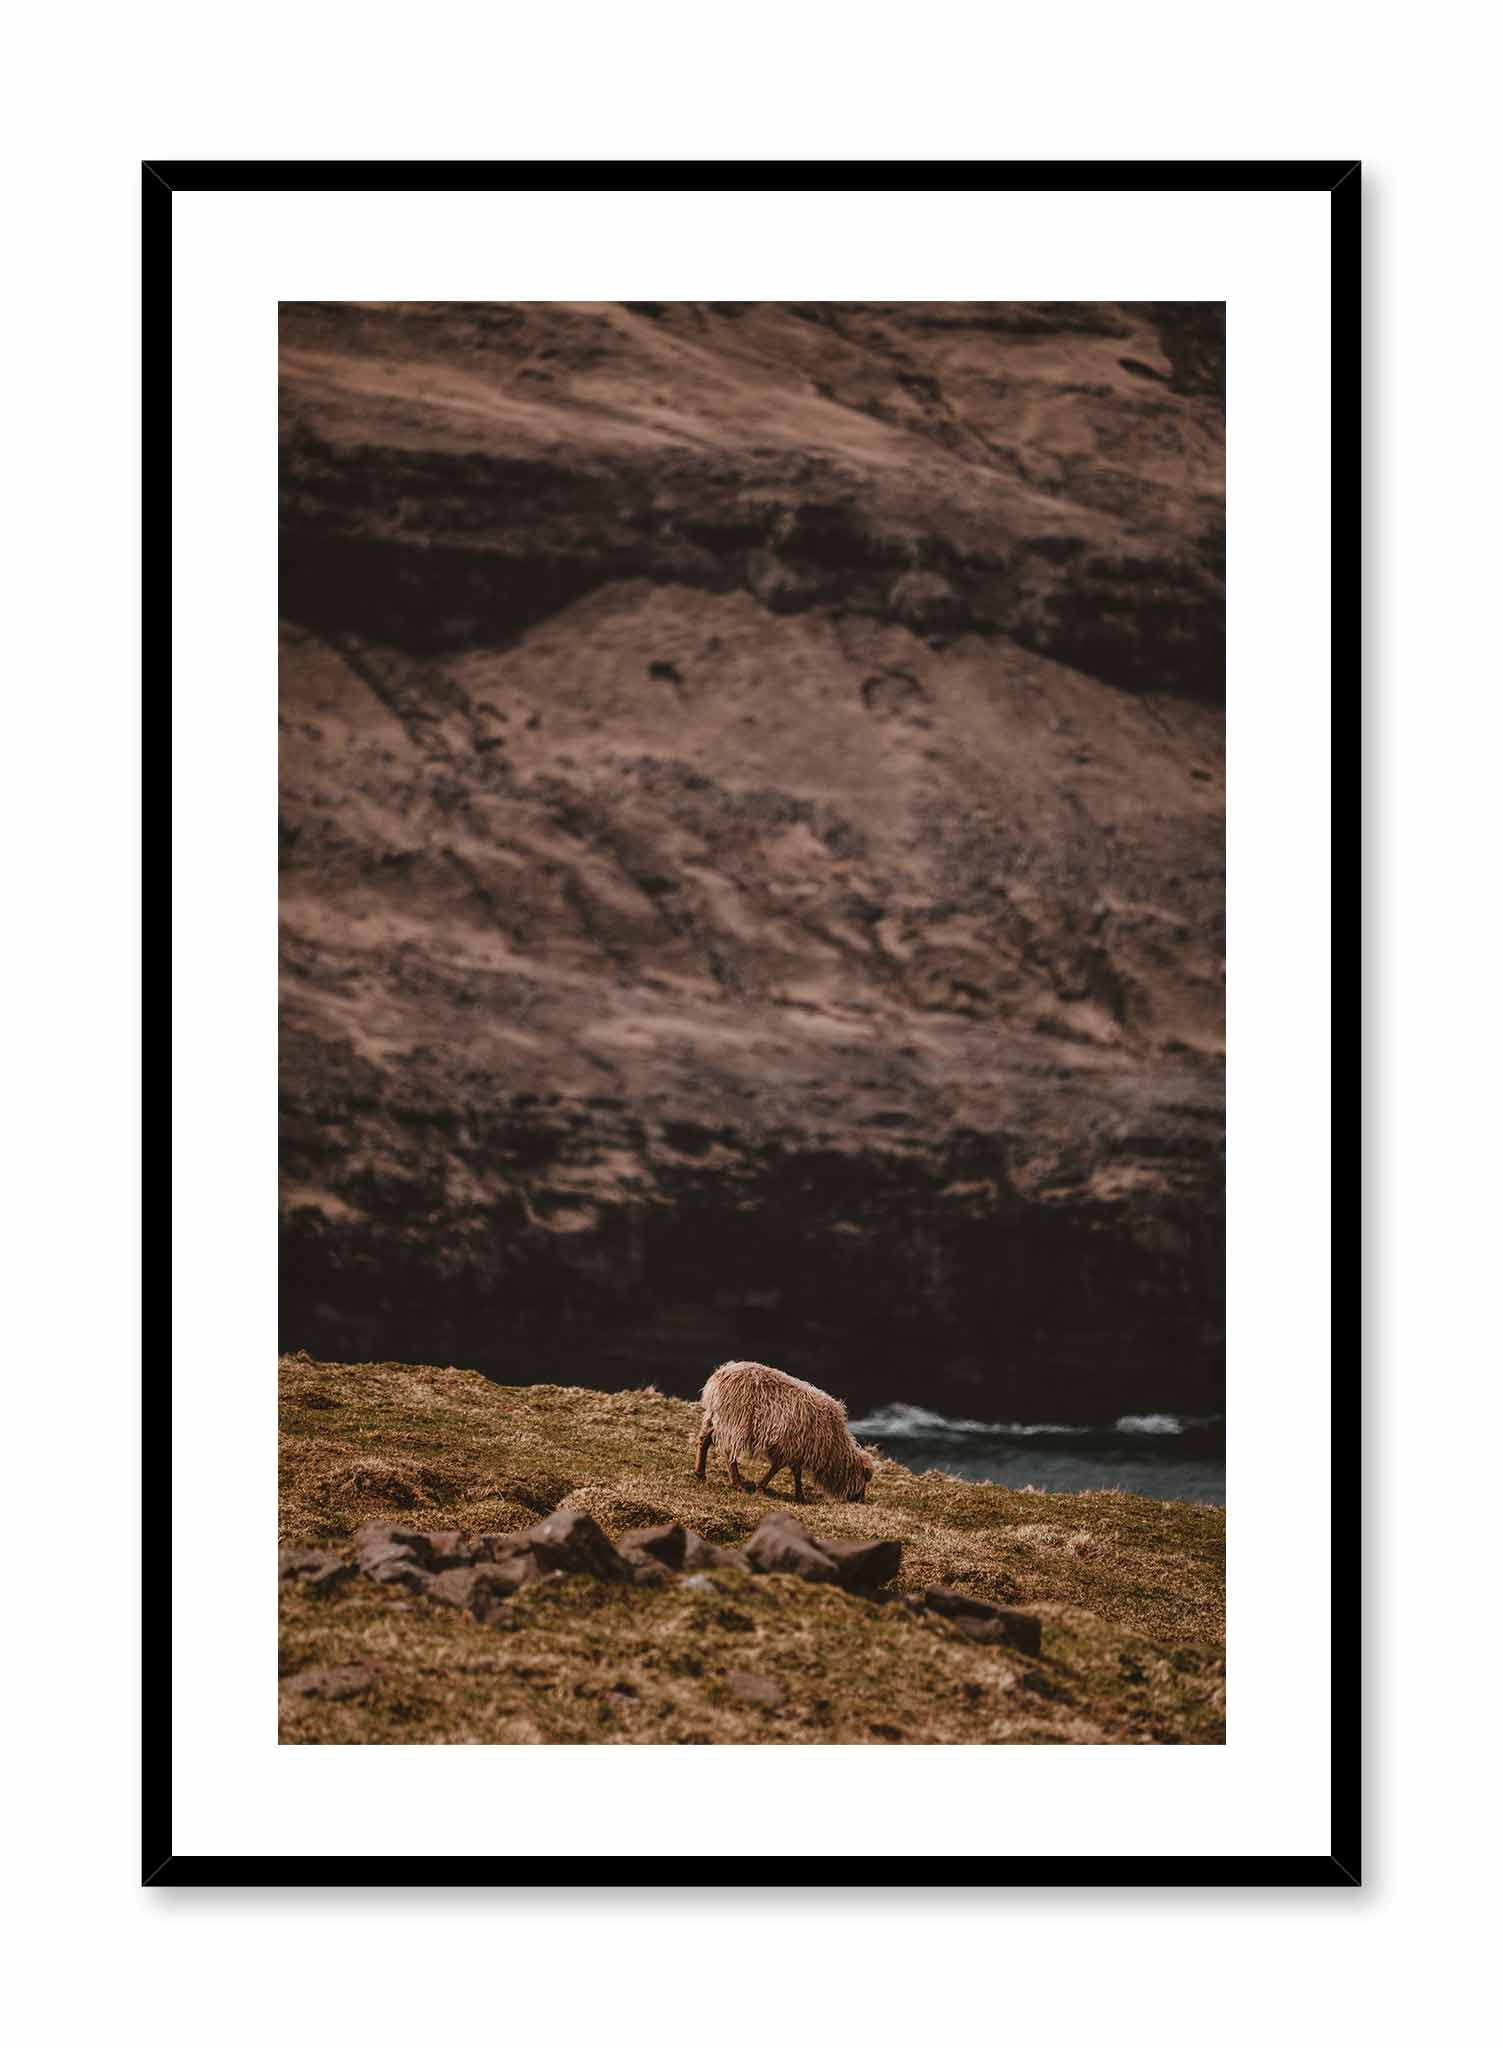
1130, 1591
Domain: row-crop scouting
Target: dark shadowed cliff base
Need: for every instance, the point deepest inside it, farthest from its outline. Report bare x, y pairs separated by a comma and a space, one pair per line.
752, 841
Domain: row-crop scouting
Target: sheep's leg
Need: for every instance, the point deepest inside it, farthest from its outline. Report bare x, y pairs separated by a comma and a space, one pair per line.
741, 1485
706, 1438
768, 1477
798, 1484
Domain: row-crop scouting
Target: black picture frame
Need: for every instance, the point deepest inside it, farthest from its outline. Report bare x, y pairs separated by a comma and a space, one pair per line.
161, 179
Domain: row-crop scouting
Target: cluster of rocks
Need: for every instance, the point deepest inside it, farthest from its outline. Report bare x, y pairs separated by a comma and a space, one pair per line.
479, 1574
982, 1620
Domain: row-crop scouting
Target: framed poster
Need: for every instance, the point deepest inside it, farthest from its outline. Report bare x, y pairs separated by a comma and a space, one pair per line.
769, 1254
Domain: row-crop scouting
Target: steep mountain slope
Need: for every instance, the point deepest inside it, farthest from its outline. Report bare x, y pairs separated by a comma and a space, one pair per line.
752, 833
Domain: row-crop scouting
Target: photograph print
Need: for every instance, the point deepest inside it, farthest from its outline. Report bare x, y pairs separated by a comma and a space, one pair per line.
752, 964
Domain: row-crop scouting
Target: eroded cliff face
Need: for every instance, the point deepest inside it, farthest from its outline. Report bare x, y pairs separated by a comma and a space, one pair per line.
752, 836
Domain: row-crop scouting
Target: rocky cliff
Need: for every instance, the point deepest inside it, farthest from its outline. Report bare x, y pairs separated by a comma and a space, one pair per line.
752, 844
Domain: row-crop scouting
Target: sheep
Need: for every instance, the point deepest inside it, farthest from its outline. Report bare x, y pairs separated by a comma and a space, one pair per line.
755, 1411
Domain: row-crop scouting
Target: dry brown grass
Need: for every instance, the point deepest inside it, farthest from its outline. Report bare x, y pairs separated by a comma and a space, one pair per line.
1132, 1590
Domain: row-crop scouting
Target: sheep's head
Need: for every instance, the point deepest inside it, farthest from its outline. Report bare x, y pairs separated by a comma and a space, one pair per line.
866, 1465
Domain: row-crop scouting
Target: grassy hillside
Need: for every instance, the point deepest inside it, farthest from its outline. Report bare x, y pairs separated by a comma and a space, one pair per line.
1130, 1591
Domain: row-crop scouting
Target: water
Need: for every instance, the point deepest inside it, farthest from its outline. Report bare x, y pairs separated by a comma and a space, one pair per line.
1169, 1457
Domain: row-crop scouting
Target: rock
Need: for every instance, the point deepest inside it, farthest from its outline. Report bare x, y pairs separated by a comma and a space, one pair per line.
412, 1576
511, 1552
700, 1584
947, 1600
330, 1681
492, 1583
317, 1571
666, 1542
521, 1569
479, 1589
754, 1689
480, 1573
293, 1561
984, 1622
431, 1550
863, 1565
454, 1588
383, 1543
335, 1573
781, 1544
677, 1549
568, 1541
414, 1558
979, 1631
648, 1572
703, 1556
